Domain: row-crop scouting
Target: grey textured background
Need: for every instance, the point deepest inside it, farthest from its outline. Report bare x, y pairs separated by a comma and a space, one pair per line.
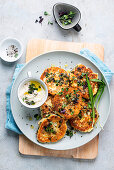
17, 19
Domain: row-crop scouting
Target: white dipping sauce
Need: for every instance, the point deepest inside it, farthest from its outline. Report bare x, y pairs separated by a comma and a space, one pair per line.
32, 93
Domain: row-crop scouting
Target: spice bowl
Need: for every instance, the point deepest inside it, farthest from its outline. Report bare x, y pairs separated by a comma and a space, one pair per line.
10, 50
63, 8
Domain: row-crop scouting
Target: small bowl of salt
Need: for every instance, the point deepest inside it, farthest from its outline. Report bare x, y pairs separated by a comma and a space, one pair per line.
10, 49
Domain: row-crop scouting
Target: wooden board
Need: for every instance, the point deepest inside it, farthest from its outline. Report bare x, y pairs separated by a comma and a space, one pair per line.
88, 151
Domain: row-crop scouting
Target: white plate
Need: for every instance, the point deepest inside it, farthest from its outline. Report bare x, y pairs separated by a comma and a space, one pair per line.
37, 66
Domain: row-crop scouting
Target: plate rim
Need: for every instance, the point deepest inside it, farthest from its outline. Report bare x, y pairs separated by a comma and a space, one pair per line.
63, 51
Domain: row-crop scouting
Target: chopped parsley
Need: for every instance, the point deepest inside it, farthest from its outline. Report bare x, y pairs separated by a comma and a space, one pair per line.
32, 88
83, 99
49, 22
47, 115
49, 128
68, 96
60, 93
48, 81
47, 74
74, 91
83, 74
66, 18
89, 123
16, 55
30, 103
80, 114
72, 112
69, 133
64, 105
37, 116
66, 89
79, 83
51, 123
46, 13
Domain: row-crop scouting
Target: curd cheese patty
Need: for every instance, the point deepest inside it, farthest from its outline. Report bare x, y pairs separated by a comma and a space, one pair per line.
68, 102
51, 129
47, 108
55, 78
78, 79
84, 120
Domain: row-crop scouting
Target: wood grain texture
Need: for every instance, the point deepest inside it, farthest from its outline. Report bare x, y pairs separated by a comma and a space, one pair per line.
36, 47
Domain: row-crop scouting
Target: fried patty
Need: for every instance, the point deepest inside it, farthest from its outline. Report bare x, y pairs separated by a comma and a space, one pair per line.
47, 108
51, 129
68, 102
55, 79
78, 79
84, 120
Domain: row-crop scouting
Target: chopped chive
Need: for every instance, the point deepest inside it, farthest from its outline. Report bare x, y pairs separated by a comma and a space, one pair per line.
69, 133
46, 13
16, 55
64, 105
83, 74
49, 22
80, 114
66, 89
60, 93
72, 112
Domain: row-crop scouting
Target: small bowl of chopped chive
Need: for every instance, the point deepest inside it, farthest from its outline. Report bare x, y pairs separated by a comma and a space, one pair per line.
10, 49
67, 16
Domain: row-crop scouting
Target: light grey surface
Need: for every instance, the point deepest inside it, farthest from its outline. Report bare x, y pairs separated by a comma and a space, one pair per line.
17, 19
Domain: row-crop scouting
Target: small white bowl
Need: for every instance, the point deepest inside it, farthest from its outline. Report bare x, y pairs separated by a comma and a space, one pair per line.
44, 86
5, 44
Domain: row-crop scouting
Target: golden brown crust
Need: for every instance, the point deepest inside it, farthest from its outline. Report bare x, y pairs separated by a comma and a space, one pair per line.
55, 79
51, 129
68, 102
47, 108
84, 121
65, 101
78, 79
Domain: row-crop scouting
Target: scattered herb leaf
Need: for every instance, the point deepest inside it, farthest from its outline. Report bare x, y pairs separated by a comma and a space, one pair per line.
80, 114
46, 13
16, 55
49, 22
69, 133
60, 93
66, 18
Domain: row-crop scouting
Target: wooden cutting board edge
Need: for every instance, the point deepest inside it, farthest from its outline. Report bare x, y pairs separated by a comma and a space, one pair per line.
95, 48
